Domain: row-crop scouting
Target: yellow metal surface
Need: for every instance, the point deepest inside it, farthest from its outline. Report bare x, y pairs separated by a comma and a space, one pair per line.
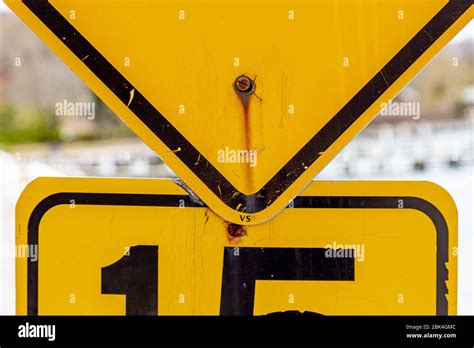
167, 68
404, 235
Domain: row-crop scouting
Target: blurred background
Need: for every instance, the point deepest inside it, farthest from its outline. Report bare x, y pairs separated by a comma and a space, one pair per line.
426, 133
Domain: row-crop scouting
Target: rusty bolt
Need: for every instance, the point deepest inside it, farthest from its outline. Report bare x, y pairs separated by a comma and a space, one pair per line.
244, 84
236, 231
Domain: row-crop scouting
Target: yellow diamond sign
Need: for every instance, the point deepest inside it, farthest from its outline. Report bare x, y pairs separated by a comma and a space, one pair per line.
245, 100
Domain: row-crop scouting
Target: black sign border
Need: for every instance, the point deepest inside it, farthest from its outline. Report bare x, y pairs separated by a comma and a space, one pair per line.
301, 202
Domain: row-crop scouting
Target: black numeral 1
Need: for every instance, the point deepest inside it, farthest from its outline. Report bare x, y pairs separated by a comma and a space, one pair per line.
136, 276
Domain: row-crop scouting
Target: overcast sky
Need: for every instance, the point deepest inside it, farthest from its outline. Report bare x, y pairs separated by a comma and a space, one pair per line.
466, 34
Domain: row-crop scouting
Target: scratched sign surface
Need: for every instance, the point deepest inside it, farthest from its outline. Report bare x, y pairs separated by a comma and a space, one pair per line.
245, 100
142, 247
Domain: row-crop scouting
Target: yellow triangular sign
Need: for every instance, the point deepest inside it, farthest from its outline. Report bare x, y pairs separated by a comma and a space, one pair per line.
245, 100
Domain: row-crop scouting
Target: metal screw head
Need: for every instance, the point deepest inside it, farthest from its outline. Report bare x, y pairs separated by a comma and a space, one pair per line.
235, 230
244, 84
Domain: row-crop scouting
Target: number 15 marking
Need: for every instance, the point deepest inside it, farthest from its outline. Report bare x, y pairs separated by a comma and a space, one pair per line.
136, 275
